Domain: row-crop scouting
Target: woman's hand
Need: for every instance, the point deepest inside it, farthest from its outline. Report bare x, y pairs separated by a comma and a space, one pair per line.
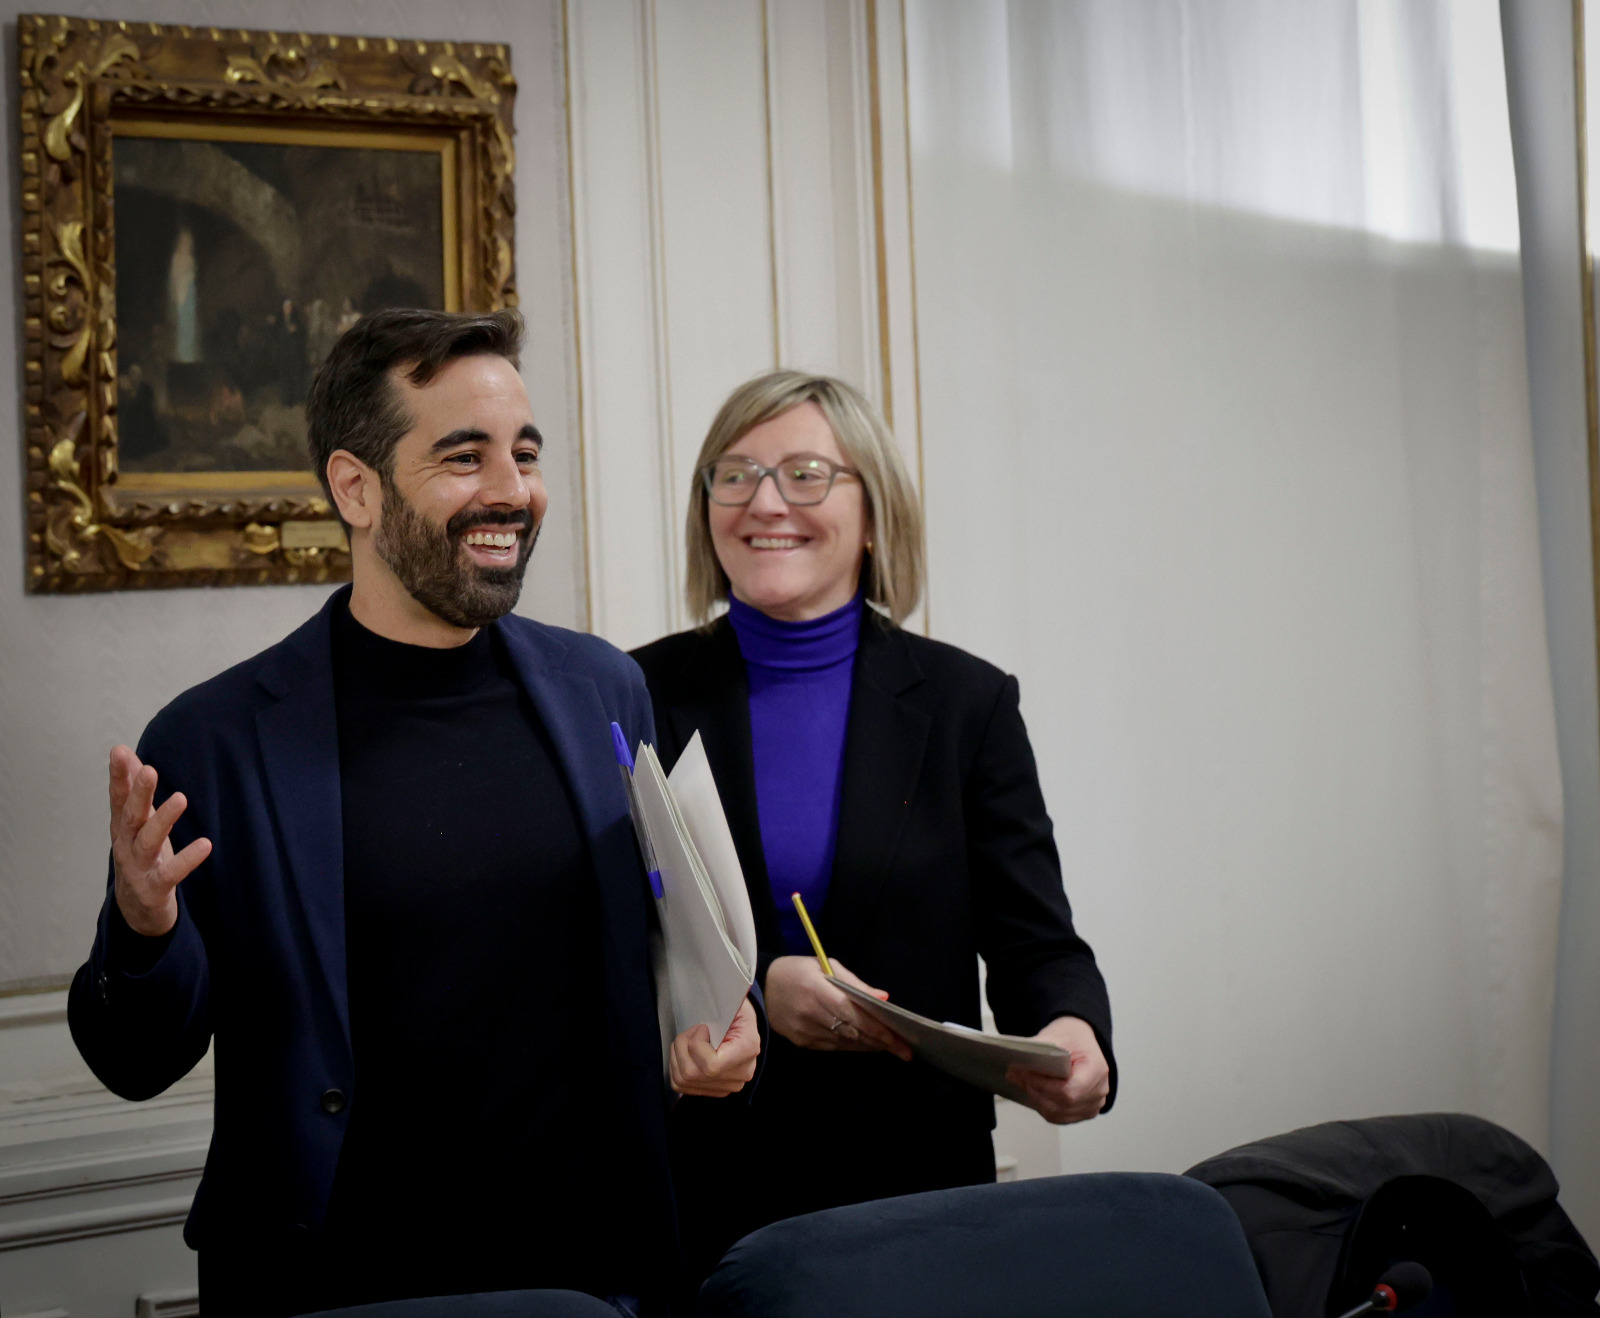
697, 1068
1087, 1085
811, 1013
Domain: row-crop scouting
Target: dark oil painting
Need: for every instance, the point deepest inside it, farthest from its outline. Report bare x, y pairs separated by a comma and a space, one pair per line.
238, 266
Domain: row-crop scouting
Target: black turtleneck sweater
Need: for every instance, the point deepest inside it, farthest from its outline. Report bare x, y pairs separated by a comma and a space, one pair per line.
474, 1157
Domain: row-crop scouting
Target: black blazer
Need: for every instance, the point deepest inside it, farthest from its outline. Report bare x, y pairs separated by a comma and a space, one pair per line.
257, 958
944, 853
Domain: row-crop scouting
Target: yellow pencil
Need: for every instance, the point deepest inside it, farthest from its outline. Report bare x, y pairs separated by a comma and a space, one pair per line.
811, 933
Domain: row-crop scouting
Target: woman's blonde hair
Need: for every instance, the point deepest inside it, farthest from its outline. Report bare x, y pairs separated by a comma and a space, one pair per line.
891, 572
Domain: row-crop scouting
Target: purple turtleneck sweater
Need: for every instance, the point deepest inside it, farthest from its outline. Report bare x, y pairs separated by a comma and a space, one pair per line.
799, 675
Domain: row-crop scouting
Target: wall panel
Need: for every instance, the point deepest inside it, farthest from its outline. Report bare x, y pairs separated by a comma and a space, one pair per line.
724, 209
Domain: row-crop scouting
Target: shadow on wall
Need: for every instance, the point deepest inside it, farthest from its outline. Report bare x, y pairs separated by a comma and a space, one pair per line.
1248, 506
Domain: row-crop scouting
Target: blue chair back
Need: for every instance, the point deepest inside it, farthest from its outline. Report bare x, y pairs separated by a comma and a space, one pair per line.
496, 1304
1113, 1245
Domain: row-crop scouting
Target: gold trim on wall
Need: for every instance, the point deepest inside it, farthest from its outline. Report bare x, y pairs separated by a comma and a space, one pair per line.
582, 426
1586, 265
916, 340
84, 83
660, 311
879, 238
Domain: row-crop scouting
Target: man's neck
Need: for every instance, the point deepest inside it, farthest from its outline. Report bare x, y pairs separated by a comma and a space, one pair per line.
382, 605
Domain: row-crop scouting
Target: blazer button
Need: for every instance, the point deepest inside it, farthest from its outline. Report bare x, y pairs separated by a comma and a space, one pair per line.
103, 984
333, 1101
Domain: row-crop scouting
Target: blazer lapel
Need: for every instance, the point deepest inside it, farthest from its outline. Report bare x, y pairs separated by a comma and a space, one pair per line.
569, 705
885, 740
299, 738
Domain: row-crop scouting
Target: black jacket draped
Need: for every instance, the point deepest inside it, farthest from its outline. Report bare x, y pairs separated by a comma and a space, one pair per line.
944, 853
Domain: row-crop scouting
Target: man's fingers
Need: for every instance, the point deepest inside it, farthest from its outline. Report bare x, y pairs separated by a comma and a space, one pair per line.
181, 866
141, 792
160, 822
680, 1063
154, 833
124, 764
698, 1056
701, 1070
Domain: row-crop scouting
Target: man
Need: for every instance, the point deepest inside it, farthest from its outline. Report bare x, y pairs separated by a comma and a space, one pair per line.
393, 878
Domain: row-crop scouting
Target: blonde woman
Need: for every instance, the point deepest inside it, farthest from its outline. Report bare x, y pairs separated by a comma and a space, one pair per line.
889, 780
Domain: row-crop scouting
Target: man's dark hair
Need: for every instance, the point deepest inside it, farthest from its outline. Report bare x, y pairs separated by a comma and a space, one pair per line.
353, 404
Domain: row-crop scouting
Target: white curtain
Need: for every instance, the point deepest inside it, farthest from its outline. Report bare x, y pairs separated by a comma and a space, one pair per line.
1227, 453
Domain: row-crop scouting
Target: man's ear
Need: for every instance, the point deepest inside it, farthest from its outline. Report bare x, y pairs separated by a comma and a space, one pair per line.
357, 489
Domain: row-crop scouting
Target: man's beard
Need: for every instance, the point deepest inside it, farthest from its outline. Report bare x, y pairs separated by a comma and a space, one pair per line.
428, 561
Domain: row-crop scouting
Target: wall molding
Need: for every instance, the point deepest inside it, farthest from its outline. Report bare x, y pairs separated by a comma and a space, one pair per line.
740, 194
76, 1162
85, 1225
660, 304
39, 984
34, 1007
168, 1304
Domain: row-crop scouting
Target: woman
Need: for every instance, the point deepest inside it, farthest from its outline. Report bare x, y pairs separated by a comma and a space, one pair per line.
889, 780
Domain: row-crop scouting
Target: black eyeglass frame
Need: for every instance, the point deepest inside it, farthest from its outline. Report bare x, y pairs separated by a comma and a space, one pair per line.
708, 476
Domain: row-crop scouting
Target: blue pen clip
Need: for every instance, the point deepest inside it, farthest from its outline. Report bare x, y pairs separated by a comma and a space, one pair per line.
619, 743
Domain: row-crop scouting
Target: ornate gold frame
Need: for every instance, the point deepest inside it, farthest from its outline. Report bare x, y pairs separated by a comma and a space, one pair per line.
84, 82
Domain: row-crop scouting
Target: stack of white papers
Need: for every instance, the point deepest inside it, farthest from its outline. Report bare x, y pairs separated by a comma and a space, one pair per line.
979, 1059
706, 960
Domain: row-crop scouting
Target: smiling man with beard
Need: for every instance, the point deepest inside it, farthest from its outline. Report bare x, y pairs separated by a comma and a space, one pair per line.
411, 915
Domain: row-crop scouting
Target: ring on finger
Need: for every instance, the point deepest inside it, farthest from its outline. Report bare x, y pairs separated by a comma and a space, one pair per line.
838, 1024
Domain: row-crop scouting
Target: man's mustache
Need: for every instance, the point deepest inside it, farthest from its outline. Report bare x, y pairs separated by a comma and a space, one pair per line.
472, 518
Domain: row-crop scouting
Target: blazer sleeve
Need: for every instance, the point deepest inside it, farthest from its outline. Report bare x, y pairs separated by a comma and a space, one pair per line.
138, 1008
1039, 968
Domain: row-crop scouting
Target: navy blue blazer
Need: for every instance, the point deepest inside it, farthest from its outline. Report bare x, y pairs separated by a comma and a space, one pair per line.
257, 959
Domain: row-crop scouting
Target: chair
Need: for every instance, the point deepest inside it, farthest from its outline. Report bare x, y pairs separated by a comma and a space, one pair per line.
1327, 1208
1123, 1245
499, 1304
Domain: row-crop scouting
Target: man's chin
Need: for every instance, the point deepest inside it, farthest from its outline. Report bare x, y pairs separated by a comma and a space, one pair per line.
484, 574
499, 576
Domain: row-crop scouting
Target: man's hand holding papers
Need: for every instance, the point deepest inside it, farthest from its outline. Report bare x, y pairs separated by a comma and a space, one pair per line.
706, 953
698, 1069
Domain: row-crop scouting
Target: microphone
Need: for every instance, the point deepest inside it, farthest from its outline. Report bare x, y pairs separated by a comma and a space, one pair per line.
1403, 1286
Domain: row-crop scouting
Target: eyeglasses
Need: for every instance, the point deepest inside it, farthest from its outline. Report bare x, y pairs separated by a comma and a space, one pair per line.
801, 478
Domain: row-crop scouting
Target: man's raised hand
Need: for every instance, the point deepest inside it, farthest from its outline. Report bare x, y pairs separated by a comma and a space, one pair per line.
147, 871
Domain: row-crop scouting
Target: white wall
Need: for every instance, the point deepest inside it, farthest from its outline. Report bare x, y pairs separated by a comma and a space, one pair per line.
79, 674
1244, 493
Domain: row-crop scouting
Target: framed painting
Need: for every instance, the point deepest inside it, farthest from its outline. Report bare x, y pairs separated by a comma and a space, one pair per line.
204, 213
